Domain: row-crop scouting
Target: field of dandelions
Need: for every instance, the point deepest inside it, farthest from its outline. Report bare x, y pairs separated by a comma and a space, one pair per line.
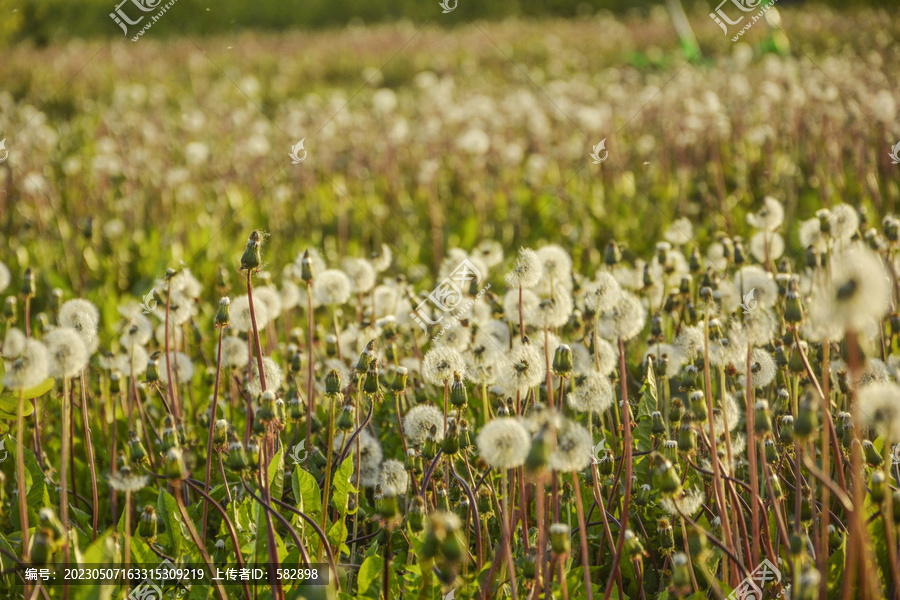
448, 355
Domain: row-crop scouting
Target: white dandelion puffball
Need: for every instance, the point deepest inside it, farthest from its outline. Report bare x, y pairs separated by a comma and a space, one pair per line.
441, 363
574, 448
82, 316
680, 232
523, 367
879, 406
132, 361
4, 277
66, 351
394, 475
360, 273
555, 264
769, 217
419, 421
600, 295
625, 320
240, 314
754, 279
527, 271
270, 298
181, 365
28, 367
594, 393
504, 443
139, 332
860, 290
235, 352
274, 377
331, 287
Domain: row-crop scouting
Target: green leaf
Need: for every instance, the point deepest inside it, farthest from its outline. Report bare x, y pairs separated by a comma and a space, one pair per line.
306, 490
370, 573
337, 535
276, 475
168, 510
342, 486
9, 400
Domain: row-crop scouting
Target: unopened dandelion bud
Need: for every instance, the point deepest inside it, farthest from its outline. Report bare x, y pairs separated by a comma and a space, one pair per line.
29, 288
633, 547
807, 419
266, 412
147, 525
847, 434
220, 432
670, 449
782, 401
877, 486
666, 477
138, 453
237, 457
174, 464
776, 487
400, 379
605, 466
689, 378
698, 406
219, 554
648, 282
169, 435
562, 361
643, 495
763, 421
151, 375
529, 564
450, 445
346, 419
687, 438
771, 450
786, 429
251, 258
331, 345
388, 508
115, 382
333, 382
295, 409
416, 516
366, 357
795, 364
697, 543
612, 255
796, 545
42, 546
834, 537
793, 308
657, 425
681, 576
10, 309
666, 535
306, 268
413, 462
739, 256
695, 262
253, 454
676, 411
560, 539
462, 507
458, 395
451, 548
370, 383
538, 455
873, 457
429, 448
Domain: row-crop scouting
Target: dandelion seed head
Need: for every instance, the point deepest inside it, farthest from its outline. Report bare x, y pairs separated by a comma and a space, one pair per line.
138, 333
762, 369
688, 504
418, 423
360, 274
503, 443
386, 297
331, 287
440, 364
181, 365
625, 320
393, 474
82, 316
235, 352
754, 278
690, 342
132, 361
594, 393
843, 222
600, 295
769, 217
522, 368
4, 277
556, 264
274, 377
290, 294
66, 352
574, 448
269, 297
527, 271
26, 368
879, 406
680, 232
240, 314
530, 302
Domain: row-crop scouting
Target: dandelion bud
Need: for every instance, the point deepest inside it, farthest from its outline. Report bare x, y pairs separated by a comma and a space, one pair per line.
606, 465
689, 378
666, 535
366, 357
151, 375
251, 258
346, 419
451, 548
698, 406
776, 486
306, 268
633, 546
219, 554
681, 577
562, 361
458, 396
220, 432
786, 429
413, 462
538, 455
739, 257
416, 516
388, 508
42, 546
462, 507
763, 422
796, 545
169, 435
138, 453
648, 282
771, 450
237, 457
147, 524
876, 486
687, 437
400, 379
782, 399
333, 382
873, 458
56, 299
807, 419
560, 538
612, 256
529, 562
331, 345
670, 449
676, 411
643, 495
657, 425
223, 315
795, 364
174, 464
28, 284
450, 445
370, 384
847, 434
10, 309
115, 382
793, 308
666, 478
697, 543
253, 455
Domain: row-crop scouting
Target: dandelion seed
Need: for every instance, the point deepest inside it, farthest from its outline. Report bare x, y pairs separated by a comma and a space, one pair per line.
688, 504
680, 232
860, 291
691, 342
764, 286
132, 361
234, 352
139, 332
762, 369
125, 481
766, 244
556, 264
843, 222
552, 313
503, 443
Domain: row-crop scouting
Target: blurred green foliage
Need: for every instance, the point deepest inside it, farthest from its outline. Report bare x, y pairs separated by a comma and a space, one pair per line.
44, 21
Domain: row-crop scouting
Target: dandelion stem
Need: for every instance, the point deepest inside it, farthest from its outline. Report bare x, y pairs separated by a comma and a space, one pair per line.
212, 426
90, 456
